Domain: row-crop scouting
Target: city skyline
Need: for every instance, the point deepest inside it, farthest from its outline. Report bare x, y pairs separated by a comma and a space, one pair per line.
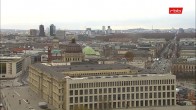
73, 14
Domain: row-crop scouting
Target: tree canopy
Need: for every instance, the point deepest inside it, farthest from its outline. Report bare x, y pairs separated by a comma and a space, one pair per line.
129, 56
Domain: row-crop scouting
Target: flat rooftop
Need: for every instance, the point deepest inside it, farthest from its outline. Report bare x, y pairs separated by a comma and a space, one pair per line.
10, 57
57, 70
119, 76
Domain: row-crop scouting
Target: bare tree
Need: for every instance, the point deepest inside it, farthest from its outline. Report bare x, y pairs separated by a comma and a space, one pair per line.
129, 56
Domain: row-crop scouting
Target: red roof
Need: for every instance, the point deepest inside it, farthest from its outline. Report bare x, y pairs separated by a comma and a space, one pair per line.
18, 50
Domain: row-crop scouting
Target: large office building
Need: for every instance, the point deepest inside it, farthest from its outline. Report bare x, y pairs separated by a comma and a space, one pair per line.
101, 86
52, 30
13, 66
109, 30
41, 31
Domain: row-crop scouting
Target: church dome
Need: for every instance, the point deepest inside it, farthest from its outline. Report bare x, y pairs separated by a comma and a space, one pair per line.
88, 51
72, 47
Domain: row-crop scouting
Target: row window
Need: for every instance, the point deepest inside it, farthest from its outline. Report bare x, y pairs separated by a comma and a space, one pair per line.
115, 97
125, 104
121, 83
121, 90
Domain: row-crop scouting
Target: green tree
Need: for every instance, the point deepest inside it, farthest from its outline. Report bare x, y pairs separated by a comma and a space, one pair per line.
129, 56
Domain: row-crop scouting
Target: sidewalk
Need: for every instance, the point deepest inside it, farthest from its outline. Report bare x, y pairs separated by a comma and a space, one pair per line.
21, 98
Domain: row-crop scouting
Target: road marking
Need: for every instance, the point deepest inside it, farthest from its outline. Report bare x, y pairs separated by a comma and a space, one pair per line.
25, 101
17, 93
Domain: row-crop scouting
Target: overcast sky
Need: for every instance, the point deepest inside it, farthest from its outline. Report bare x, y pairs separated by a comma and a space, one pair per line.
81, 14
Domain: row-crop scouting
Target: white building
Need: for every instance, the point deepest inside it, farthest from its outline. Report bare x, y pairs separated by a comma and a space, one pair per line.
98, 87
11, 67
121, 92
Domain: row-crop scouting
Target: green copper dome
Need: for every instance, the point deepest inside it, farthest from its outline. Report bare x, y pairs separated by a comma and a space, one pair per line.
88, 51
55, 51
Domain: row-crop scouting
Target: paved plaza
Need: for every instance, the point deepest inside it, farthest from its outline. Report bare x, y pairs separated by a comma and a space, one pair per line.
21, 98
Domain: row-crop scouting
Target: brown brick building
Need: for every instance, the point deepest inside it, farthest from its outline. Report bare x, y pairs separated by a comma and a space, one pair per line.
184, 70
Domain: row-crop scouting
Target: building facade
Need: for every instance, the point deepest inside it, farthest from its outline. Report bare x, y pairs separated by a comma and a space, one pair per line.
52, 30
11, 67
184, 70
101, 86
41, 31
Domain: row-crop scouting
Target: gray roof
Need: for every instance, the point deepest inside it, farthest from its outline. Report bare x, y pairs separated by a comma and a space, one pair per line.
55, 71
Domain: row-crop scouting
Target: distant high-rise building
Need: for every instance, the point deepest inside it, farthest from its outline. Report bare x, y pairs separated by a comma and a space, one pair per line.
109, 30
88, 31
33, 32
52, 30
181, 30
41, 30
103, 29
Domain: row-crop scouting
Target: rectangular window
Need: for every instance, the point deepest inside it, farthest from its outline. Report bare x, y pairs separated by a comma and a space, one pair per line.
141, 89
119, 90
128, 89
173, 94
150, 95
119, 96
155, 88
132, 89
95, 98
86, 91
155, 95
105, 90
150, 88
123, 89
86, 98
95, 91
114, 90
137, 95
141, 95
128, 96
132, 96
159, 95
163, 87
76, 99
71, 100
90, 91
110, 90
109, 97
81, 99
146, 88
71, 92
81, 92
90, 98
146, 95
100, 91
168, 94
137, 89
114, 97
168, 87
159, 88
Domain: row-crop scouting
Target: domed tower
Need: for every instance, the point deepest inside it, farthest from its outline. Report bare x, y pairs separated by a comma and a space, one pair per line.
73, 52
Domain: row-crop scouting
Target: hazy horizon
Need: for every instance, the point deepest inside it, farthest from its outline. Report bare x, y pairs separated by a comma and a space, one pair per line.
78, 15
